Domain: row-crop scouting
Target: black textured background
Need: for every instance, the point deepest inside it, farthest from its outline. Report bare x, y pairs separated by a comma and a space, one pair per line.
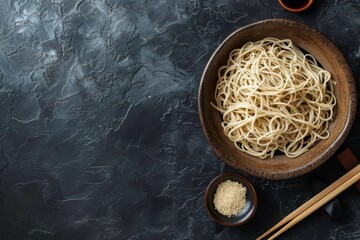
99, 130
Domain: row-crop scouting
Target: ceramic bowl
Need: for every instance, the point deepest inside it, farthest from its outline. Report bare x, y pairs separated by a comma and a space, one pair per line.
327, 54
243, 216
295, 5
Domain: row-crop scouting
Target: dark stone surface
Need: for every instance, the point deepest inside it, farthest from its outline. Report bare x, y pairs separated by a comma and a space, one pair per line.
100, 136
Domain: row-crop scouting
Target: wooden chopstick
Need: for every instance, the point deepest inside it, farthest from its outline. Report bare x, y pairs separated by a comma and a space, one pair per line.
335, 187
317, 205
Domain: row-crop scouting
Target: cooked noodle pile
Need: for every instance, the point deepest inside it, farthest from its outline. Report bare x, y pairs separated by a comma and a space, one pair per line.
274, 97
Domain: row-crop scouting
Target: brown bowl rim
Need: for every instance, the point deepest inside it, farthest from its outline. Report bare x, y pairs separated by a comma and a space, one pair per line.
224, 176
316, 162
308, 4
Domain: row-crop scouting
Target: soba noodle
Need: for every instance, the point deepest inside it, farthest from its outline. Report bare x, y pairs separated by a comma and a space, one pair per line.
273, 97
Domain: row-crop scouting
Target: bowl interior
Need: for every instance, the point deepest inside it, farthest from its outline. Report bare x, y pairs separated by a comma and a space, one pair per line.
313, 42
245, 214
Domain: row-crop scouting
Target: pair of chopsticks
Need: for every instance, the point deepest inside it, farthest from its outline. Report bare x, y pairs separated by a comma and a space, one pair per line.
315, 203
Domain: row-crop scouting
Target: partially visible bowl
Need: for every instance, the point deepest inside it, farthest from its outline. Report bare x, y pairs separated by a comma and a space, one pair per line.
243, 216
295, 6
328, 55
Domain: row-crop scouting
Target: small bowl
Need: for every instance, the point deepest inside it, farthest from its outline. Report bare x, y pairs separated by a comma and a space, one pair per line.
327, 54
287, 5
242, 217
